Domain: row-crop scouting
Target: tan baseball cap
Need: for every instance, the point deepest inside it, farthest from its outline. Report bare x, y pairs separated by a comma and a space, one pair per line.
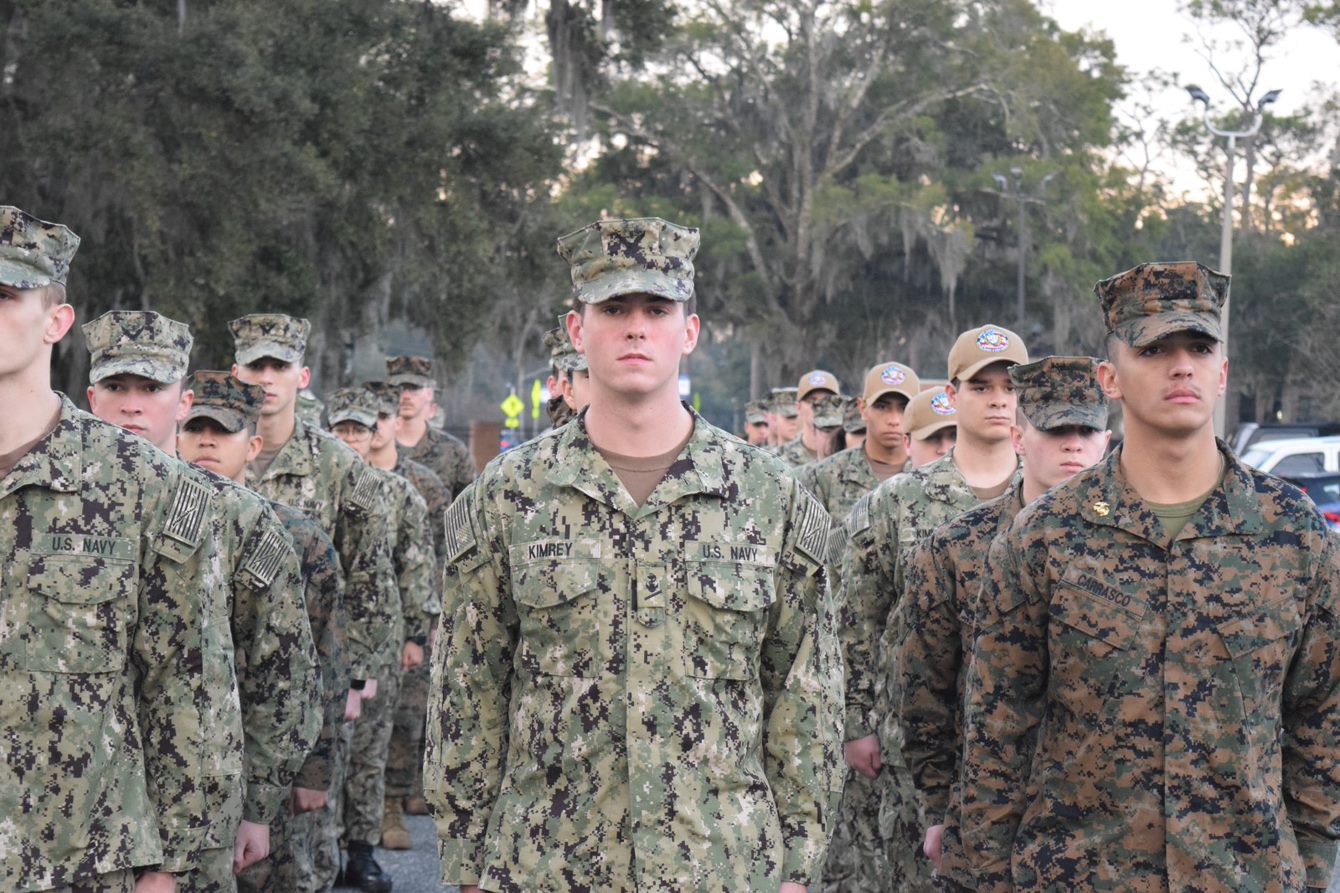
978, 348
929, 412
890, 378
817, 380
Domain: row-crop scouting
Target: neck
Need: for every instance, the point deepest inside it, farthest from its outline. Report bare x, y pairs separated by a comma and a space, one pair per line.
1166, 469
412, 430
386, 457
275, 430
1032, 488
240, 477
984, 463
33, 392
645, 427
896, 456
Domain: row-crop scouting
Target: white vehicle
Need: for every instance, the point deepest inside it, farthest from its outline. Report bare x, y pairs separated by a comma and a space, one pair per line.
1296, 455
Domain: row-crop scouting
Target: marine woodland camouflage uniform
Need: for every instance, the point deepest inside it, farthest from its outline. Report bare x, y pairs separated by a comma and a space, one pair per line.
439, 450
943, 575
1190, 684
634, 697
260, 668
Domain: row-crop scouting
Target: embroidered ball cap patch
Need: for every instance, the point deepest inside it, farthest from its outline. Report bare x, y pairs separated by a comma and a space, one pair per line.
892, 375
993, 340
818, 379
940, 404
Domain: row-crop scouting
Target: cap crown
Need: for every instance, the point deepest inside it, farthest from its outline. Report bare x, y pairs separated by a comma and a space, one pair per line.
417, 371
33, 253
226, 391
890, 378
629, 255
928, 412
275, 335
356, 404
138, 342
978, 348
1154, 300
1059, 391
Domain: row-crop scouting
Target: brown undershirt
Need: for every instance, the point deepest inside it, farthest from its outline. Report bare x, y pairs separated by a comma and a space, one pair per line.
261, 463
12, 458
641, 474
986, 494
882, 470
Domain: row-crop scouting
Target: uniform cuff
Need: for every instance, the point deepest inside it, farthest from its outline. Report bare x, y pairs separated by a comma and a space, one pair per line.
856, 725
262, 802
462, 861
1318, 858
181, 848
800, 865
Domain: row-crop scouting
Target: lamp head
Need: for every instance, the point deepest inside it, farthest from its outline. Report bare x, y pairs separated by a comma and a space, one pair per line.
1199, 95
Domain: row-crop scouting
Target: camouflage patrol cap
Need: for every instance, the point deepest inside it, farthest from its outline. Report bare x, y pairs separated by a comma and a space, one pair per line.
622, 256
138, 342
828, 411
1059, 391
784, 402
562, 354
224, 399
269, 335
756, 412
929, 412
852, 420
387, 396
890, 378
978, 348
417, 372
352, 405
1152, 301
33, 253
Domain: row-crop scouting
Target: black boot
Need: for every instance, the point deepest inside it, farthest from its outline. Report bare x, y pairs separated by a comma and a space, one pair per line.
363, 872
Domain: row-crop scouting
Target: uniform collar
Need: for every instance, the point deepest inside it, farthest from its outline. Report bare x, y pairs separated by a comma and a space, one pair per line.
856, 469
1231, 508
297, 456
578, 464
57, 460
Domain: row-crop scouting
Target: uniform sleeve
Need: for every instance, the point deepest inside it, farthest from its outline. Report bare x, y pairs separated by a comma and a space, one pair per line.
167, 656
1007, 679
325, 613
801, 676
361, 542
277, 674
867, 592
462, 467
414, 562
1311, 733
470, 688
926, 698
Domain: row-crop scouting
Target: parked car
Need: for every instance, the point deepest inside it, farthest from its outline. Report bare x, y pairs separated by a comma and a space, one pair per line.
1250, 434
1324, 489
1294, 456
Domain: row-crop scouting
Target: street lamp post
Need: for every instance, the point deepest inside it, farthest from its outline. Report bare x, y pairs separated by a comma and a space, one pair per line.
1022, 198
1226, 225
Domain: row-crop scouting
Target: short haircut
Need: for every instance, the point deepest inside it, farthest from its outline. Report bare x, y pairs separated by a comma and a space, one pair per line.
53, 294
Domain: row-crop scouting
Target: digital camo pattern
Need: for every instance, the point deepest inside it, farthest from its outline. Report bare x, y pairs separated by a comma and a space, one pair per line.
1060, 391
112, 882
838, 481
794, 452
1191, 692
622, 256
940, 585
1151, 301
100, 686
614, 679
33, 253
322, 478
560, 413
882, 528
137, 342
258, 335
437, 497
414, 371
445, 455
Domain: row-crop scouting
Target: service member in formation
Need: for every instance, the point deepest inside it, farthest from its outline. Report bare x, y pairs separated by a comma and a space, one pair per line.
1060, 430
137, 380
853, 423
845, 477
1175, 616
219, 434
882, 528
312, 471
756, 423
102, 703
353, 414
420, 441
930, 426
404, 761
804, 447
637, 677
783, 421
568, 378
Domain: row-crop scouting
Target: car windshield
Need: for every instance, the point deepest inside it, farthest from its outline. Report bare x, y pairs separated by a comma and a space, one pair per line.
1255, 456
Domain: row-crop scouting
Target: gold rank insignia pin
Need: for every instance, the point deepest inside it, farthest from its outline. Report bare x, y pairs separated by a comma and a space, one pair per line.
1102, 508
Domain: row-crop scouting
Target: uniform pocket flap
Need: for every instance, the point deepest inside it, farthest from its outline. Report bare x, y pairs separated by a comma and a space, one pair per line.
732, 586
80, 579
1259, 627
1104, 617
547, 574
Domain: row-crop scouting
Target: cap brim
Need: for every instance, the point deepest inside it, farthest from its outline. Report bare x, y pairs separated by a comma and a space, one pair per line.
19, 275
968, 373
367, 420
927, 430
417, 381
1046, 417
891, 389
230, 420
256, 350
632, 282
145, 368
1146, 330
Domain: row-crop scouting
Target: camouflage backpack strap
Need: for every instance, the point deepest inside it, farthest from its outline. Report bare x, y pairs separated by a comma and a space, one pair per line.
184, 529
809, 527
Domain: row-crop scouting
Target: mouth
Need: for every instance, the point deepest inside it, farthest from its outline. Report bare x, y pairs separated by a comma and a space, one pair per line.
1182, 396
134, 429
634, 358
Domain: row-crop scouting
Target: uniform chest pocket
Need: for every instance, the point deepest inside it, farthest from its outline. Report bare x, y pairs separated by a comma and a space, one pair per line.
725, 617
567, 618
1260, 645
79, 610
1092, 639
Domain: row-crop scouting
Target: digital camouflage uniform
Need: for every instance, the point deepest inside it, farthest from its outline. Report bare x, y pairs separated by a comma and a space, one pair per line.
101, 648
262, 685
634, 697
782, 403
880, 826
1190, 683
565, 358
838, 481
440, 451
794, 452
943, 575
